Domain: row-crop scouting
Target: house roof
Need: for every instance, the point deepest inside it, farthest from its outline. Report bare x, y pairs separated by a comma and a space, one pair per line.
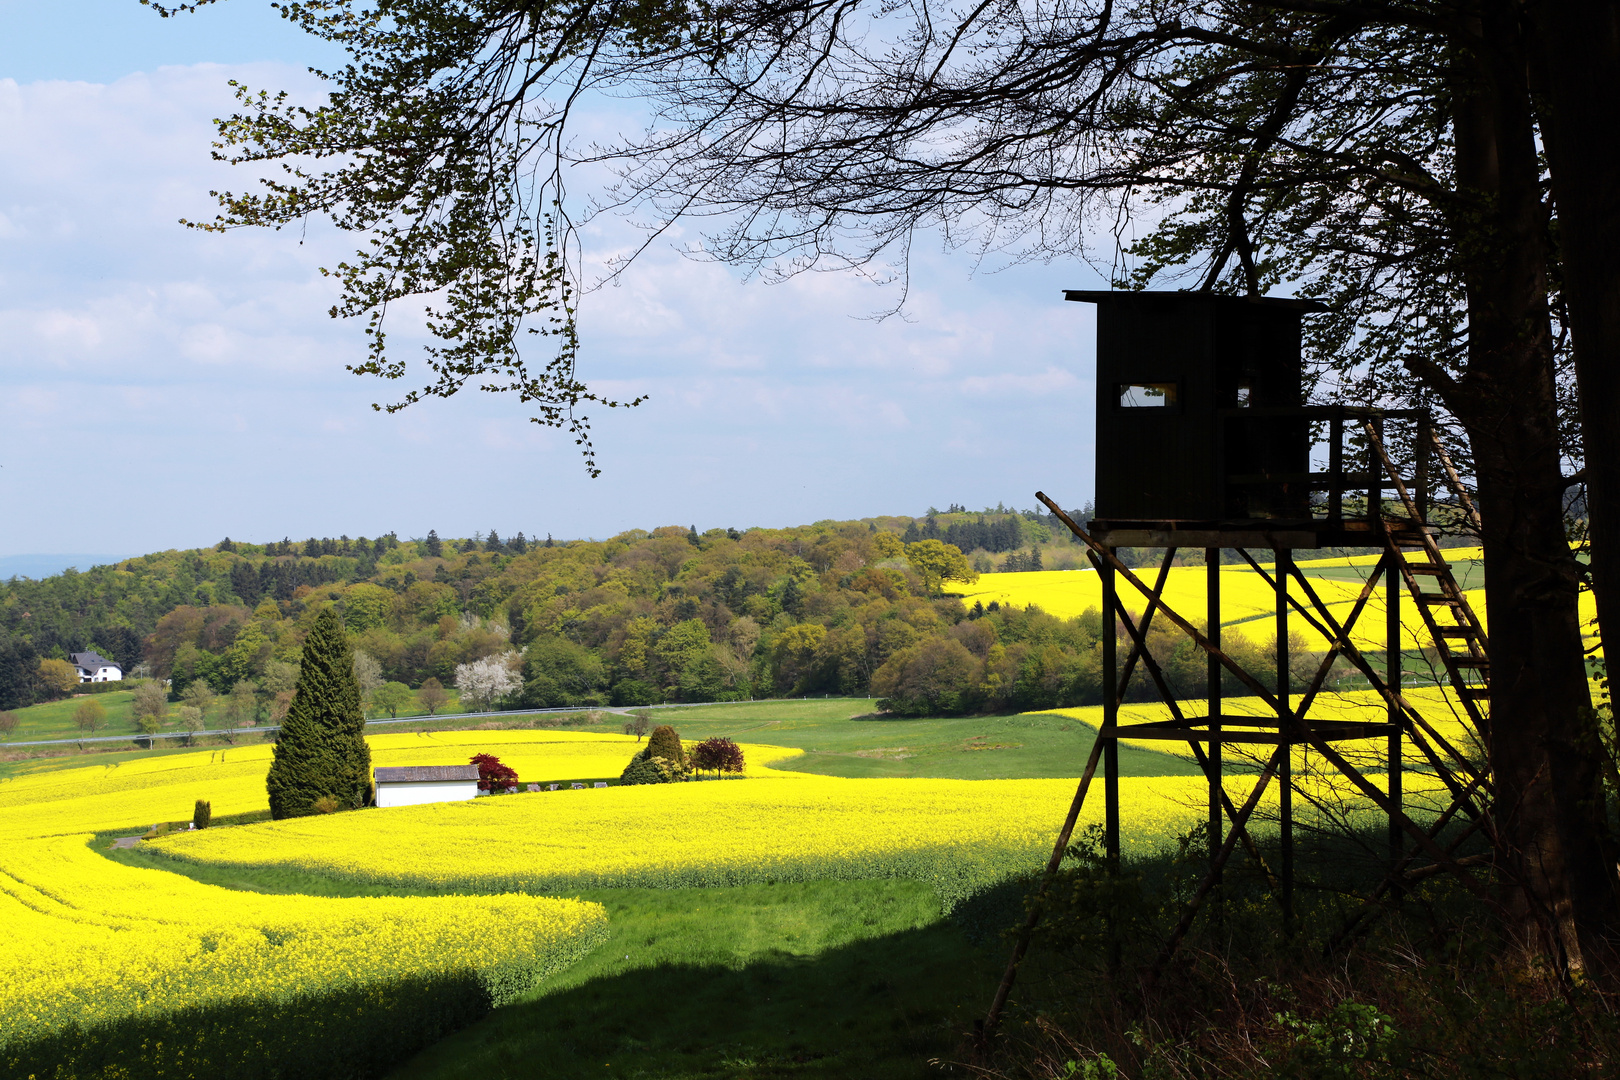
398, 774
91, 660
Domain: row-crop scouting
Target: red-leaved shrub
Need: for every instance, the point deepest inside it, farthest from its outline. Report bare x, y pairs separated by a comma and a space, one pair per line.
492, 775
717, 754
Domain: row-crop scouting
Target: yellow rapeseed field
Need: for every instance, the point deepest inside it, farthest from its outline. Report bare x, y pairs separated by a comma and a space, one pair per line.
956, 834
94, 954
93, 944
1247, 603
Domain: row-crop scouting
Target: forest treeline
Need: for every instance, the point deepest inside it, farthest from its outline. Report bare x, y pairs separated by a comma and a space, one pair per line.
855, 607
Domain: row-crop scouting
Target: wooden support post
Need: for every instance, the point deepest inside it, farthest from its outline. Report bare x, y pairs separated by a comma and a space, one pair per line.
1285, 766
1375, 484
1336, 470
1393, 585
1110, 662
1212, 562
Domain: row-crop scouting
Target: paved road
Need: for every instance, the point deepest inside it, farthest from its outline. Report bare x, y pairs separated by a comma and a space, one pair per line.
617, 710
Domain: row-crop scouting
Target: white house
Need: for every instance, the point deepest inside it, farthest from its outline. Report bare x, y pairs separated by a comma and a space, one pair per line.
408, 785
93, 667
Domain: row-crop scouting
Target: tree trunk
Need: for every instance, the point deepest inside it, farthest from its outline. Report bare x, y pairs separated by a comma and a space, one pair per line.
1579, 67
1559, 881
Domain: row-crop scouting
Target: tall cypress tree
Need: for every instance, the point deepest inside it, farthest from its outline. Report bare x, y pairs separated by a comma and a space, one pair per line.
322, 751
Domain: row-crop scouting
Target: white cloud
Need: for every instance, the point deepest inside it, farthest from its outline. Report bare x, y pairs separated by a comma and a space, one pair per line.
1013, 384
204, 372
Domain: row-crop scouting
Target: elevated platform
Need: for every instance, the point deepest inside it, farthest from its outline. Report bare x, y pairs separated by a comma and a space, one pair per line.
1274, 533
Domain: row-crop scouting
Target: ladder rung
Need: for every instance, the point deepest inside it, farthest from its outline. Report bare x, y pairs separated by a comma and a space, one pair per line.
1437, 598
1426, 568
1474, 693
1458, 631
1471, 661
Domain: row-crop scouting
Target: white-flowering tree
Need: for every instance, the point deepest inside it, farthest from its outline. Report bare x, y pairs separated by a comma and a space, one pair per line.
484, 682
367, 672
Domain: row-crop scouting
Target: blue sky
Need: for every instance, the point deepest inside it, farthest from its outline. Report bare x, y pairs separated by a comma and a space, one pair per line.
165, 388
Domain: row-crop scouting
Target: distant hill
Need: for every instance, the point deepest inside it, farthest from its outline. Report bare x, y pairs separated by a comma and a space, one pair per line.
44, 566
666, 615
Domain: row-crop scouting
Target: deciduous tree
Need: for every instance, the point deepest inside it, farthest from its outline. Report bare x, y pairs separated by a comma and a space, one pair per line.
90, 717
241, 707
432, 695
57, 677
150, 706
391, 697
937, 562
191, 721
200, 696
484, 682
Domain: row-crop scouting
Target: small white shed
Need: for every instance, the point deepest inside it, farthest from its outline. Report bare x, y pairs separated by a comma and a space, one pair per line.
409, 785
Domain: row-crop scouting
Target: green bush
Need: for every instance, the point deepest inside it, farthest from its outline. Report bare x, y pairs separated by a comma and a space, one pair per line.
655, 770
202, 814
665, 742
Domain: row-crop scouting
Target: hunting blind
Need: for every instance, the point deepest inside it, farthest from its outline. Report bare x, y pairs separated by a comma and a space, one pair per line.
1204, 440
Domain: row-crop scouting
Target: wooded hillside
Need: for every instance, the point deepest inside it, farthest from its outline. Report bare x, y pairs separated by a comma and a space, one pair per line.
834, 607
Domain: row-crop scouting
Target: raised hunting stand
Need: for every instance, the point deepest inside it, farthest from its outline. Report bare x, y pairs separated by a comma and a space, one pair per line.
1204, 440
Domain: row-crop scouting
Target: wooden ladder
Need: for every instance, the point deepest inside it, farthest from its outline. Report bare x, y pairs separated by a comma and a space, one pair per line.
1460, 641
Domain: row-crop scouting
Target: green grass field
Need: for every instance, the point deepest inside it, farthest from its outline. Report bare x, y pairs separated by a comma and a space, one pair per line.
844, 737
820, 979
54, 719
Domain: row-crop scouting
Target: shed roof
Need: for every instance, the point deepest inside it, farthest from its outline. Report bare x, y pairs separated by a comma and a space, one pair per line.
1128, 296
406, 774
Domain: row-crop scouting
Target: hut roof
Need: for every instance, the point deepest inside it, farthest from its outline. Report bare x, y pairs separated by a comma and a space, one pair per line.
397, 774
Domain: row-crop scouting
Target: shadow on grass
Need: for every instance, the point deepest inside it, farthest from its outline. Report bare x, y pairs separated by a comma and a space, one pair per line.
875, 1009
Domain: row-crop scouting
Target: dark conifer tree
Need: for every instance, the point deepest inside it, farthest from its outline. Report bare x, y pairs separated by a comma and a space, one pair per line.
692, 535
322, 750
245, 582
432, 545
517, 545
493, 542
548, 540
18, 662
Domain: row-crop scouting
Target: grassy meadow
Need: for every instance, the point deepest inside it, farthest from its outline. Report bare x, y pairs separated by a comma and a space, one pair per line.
848, 737
54, 719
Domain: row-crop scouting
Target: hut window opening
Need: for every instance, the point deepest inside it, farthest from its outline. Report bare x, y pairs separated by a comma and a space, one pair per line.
1147, 395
